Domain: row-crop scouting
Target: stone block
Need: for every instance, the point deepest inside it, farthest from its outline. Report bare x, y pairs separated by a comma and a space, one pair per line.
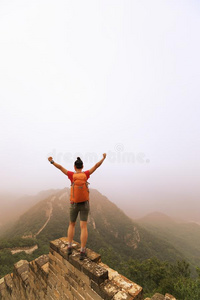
111, 273
9, 283
106, 290
52, 282
68, 265
133, 289
32, 266
169, 297
45, 269
52, 270
63, 252
56, 294
92, 293
136, 291
42, 260
158, 296
82, 278
122, 295
123, 282
93, 256
75, 261
76, 295
58, 257
67, 292
55, 245
2, 284
71, 281
21, 268
95, 272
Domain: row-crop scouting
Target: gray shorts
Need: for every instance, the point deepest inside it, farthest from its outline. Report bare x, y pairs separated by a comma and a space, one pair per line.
82, 207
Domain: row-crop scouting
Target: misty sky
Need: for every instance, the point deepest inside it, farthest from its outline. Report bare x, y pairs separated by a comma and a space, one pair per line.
80, 78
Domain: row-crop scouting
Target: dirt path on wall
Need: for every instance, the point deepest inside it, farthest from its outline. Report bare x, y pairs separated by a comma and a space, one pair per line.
49, 214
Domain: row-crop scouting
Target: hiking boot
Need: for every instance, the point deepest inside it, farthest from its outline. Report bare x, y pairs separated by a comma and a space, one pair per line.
82, 255
69, 250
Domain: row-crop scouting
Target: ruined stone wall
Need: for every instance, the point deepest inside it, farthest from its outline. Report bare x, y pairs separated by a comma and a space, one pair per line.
57, 276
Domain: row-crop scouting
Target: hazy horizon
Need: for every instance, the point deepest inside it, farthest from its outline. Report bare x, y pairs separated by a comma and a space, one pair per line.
84, 78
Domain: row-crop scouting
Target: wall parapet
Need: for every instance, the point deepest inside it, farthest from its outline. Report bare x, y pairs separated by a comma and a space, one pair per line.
59, 276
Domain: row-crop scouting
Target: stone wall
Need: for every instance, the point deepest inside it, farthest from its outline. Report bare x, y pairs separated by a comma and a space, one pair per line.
158, 296
57, 276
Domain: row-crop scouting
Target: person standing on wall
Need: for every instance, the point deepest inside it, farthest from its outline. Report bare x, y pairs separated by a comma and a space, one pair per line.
79, 200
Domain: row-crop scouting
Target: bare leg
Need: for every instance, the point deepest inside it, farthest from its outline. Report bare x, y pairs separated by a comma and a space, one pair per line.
84, 233
71, 230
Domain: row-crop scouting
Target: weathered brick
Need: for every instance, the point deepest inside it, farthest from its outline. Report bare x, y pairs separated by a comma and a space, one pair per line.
63, 252
52, 269
52, 282
45, 269
111, 273
158, 296
58, 257
75, 261
106, 290
2, 284
169, 297
76, 294
9, 283
136, 291
67, 292
71, 281
56, 294
92, 293
122, 295
123, 282
21, 269
21, 266
82, 277
93, 256
95, 272
68, 265
42, 260
55, 245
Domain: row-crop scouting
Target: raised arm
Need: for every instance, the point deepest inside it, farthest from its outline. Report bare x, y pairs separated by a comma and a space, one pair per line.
57, 165
97, 164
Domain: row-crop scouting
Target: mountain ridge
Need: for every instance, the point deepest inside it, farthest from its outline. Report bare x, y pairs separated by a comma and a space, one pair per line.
185, 236
108, 226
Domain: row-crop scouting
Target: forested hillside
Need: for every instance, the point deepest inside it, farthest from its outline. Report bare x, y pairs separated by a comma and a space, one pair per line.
145, 258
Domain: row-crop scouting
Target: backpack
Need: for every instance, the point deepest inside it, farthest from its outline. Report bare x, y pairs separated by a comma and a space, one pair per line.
79, 188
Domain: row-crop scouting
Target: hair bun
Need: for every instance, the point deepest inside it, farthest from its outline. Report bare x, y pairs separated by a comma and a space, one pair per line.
78, 163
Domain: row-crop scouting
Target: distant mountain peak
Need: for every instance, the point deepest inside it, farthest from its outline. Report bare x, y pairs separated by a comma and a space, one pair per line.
157, 217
